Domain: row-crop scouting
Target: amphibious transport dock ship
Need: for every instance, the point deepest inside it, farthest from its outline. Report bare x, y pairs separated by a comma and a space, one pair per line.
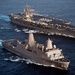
39, 22
47, 55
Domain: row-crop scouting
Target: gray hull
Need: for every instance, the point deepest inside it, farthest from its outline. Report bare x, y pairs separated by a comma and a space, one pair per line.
51, 31
36, 59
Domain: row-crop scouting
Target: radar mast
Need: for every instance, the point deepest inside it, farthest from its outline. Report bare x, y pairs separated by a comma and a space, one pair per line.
27, 13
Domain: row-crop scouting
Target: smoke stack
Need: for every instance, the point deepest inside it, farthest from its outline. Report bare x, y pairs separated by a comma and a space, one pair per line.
48, 44
31, 40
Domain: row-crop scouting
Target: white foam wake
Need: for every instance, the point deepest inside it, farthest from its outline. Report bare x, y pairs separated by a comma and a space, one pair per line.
17, 30
1, 42
25, 30
13, 59
4, 17
17, 59
4, 28
30, 31
28, 61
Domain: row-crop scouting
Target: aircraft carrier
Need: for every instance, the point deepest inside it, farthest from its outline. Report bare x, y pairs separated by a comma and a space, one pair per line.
47, 54
42, 23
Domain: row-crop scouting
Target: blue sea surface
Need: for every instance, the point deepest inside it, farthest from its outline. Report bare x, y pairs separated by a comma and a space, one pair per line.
60, 9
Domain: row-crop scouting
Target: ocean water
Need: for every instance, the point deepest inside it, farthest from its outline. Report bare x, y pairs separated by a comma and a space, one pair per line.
60, 9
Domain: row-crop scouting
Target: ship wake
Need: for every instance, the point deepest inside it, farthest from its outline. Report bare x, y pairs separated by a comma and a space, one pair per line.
4, 22
27, 30
4, 18
18, 59
1, 42
13, 59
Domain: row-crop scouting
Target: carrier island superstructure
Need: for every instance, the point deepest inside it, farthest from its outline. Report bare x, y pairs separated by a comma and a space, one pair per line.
39, 22
47, 54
